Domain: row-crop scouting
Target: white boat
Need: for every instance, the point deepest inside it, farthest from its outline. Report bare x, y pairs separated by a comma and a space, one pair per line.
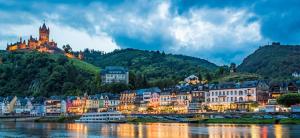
102, 117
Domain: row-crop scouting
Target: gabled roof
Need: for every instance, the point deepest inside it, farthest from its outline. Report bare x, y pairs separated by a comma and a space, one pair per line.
114, 70
152, 90
233, 85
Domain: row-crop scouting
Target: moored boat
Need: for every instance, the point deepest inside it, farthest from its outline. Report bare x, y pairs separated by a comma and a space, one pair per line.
102, 117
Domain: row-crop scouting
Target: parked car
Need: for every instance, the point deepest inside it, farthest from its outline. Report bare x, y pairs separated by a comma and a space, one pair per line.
295, 116
228, 116
257, 117
236, 116
218, 116
281, 117
268, 117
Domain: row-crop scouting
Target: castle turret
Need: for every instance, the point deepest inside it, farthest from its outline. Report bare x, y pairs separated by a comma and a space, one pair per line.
80, 55
44, 33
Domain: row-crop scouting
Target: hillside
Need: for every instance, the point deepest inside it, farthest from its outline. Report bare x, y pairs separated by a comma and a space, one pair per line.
41, 74
275, 62
156, 67
238, 77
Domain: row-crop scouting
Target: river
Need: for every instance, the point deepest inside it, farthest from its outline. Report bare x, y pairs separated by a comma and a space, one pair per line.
144, 130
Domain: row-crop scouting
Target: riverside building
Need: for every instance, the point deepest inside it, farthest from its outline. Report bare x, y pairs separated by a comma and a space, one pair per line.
236, 96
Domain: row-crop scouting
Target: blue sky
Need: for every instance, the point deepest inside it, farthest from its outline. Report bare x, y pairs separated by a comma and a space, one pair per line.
221, 31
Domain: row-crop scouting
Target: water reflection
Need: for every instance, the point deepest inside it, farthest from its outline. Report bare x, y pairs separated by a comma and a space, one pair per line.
147, 130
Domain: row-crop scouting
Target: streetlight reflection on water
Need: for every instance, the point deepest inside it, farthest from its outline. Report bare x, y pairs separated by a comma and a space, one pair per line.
177, 130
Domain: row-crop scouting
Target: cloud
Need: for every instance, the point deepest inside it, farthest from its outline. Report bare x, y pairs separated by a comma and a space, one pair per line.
220, 31
208, 33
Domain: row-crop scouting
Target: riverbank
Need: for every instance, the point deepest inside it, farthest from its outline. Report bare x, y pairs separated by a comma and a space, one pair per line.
58, 119
64, 119
219, 120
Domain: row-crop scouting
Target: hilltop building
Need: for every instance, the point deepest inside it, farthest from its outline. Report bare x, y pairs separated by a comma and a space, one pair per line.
193, 79
43, 44
115, 74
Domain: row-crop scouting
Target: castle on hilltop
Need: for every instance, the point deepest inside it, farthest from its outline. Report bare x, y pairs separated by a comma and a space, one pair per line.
43, 44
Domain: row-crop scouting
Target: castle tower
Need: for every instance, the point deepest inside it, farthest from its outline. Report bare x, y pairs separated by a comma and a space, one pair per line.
80, 55
44, 34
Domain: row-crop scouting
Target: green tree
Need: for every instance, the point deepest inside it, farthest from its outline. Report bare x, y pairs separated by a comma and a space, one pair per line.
67, 48
208, 77
289, 99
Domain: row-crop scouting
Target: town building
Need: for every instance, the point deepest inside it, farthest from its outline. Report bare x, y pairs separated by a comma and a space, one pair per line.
175, 100
114, 101
23, 106
53, 106
8, 104
236, 96
115, 74
193, 79
279, 88
147, 98
76, 104
198, 98
127, 101
38, 107
92, 103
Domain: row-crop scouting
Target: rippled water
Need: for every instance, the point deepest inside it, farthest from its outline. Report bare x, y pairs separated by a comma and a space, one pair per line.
142, 130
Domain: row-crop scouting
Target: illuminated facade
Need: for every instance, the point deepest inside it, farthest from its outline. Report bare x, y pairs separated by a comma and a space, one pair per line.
198, 99
53, 106
43, 44
236, 96
76, 105
175, 100
127, 101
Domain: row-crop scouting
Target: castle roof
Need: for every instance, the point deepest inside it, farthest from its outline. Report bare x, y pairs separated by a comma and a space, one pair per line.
44, 27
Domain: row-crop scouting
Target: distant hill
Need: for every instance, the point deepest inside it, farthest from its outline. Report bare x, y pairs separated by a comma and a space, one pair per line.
274, 62
156, 67
42, 74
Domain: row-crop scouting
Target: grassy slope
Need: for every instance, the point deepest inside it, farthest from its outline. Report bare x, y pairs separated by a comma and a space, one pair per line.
85, 66
80, 64
240, 76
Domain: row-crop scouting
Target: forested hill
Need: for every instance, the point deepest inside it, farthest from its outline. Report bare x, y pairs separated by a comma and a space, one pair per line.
275, 62
154, 66
41, 74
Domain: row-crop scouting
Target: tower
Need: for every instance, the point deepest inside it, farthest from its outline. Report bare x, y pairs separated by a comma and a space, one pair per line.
44, 34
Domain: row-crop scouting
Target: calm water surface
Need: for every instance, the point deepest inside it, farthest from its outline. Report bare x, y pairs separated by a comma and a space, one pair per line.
143, 130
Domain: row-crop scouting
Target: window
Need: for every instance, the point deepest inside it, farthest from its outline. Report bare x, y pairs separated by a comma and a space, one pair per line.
240, 92
231, 92
241, 99
235, 92
227, 92
231, 99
